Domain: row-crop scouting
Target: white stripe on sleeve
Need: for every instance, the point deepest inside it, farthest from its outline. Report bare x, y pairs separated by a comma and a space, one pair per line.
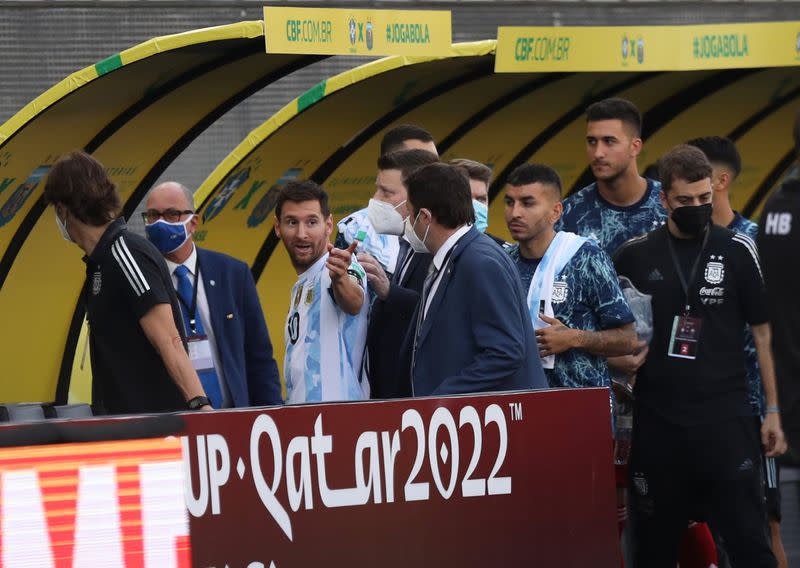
135, 265
126, 270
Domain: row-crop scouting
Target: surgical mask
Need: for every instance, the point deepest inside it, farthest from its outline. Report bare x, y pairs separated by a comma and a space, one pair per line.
384, 218
417, 245
692, 219
62, 226
168, 237
481, 215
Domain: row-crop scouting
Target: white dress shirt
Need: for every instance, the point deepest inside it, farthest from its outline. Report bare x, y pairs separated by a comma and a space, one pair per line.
438, 261
205, 317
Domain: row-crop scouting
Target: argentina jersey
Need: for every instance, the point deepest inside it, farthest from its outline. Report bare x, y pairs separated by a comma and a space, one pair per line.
324, 345
385, 248
755, 390
585, 295
586, 213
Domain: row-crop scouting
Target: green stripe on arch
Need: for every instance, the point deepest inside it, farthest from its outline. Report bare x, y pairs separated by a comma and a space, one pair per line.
109, 64
311, 96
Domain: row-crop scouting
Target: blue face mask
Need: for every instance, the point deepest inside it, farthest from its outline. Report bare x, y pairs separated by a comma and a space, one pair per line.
481, 216
168, 237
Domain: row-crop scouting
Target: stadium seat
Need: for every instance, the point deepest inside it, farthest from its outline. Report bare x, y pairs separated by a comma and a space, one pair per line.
25, 412
68, 411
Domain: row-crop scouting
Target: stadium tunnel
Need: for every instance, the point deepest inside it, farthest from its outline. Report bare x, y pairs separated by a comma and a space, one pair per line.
331, 134
136, 112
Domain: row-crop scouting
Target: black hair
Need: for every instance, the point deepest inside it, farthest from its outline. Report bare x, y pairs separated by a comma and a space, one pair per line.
616, 109
444, 191
394, 138
527, 174
298, 191
683, 162
719, 150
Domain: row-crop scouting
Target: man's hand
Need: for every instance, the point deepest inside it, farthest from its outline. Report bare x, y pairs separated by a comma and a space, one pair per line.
339, 260
554, 339
629, 364
376, 275
772, 436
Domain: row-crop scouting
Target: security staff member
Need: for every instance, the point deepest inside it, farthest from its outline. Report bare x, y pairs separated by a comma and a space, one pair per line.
778, 242
694, 436
139, 359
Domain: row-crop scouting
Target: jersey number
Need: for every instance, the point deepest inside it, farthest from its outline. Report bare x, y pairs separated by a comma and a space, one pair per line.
293, 327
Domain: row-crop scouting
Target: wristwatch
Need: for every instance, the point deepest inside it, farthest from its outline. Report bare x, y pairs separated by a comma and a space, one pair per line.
198, 402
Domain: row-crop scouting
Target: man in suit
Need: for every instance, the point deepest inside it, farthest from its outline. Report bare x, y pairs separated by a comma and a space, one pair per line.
383, 246
471, 331
396, 296
228, 339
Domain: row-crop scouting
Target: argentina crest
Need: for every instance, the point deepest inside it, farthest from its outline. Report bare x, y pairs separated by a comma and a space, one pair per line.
715, 270
97, 282
559, 292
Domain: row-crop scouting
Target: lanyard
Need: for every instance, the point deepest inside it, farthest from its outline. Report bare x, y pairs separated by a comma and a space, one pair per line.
684, 284
191, 311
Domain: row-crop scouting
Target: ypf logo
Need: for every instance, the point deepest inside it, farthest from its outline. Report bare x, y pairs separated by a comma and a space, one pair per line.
640, 50
625, 47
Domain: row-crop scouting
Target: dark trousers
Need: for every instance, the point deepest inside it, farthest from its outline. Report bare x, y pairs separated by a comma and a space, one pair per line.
680, 473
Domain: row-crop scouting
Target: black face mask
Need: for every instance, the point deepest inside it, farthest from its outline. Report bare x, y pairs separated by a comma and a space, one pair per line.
692, 219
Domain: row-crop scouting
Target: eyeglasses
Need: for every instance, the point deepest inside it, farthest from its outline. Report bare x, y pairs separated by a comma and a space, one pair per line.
169, 215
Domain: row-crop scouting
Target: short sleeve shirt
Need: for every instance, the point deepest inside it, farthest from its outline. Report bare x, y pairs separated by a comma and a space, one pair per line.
324, 344
126, 278
586, 296
726, 293
778, 245
586, 213
755, 389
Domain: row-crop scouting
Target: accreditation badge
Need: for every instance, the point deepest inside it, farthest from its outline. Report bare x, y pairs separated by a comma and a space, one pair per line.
685, 337
200, 352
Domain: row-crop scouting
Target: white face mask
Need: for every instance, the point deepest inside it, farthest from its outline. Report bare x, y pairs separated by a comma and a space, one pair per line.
417, 245
62, 226
384, 218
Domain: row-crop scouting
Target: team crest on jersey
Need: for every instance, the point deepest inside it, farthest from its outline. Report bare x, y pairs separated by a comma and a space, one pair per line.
297, 296
97, 282
559, 292
310, 297
715, 270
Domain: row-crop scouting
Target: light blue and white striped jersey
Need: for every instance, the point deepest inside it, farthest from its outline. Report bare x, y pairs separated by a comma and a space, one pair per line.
385, 248
324, 345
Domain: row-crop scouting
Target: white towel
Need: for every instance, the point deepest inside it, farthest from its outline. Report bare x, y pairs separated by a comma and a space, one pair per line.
558, 254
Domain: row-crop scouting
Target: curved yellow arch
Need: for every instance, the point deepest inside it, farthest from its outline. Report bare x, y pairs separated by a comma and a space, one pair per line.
135, 111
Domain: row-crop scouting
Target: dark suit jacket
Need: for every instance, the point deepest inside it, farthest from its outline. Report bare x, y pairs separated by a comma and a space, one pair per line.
477, 335
243, 344
389, 321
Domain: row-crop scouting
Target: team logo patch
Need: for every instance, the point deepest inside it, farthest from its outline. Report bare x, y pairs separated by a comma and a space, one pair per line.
715, 270
351, 25
293, 328
559, 292
310, 297
369, 35
97, 282
297, 296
